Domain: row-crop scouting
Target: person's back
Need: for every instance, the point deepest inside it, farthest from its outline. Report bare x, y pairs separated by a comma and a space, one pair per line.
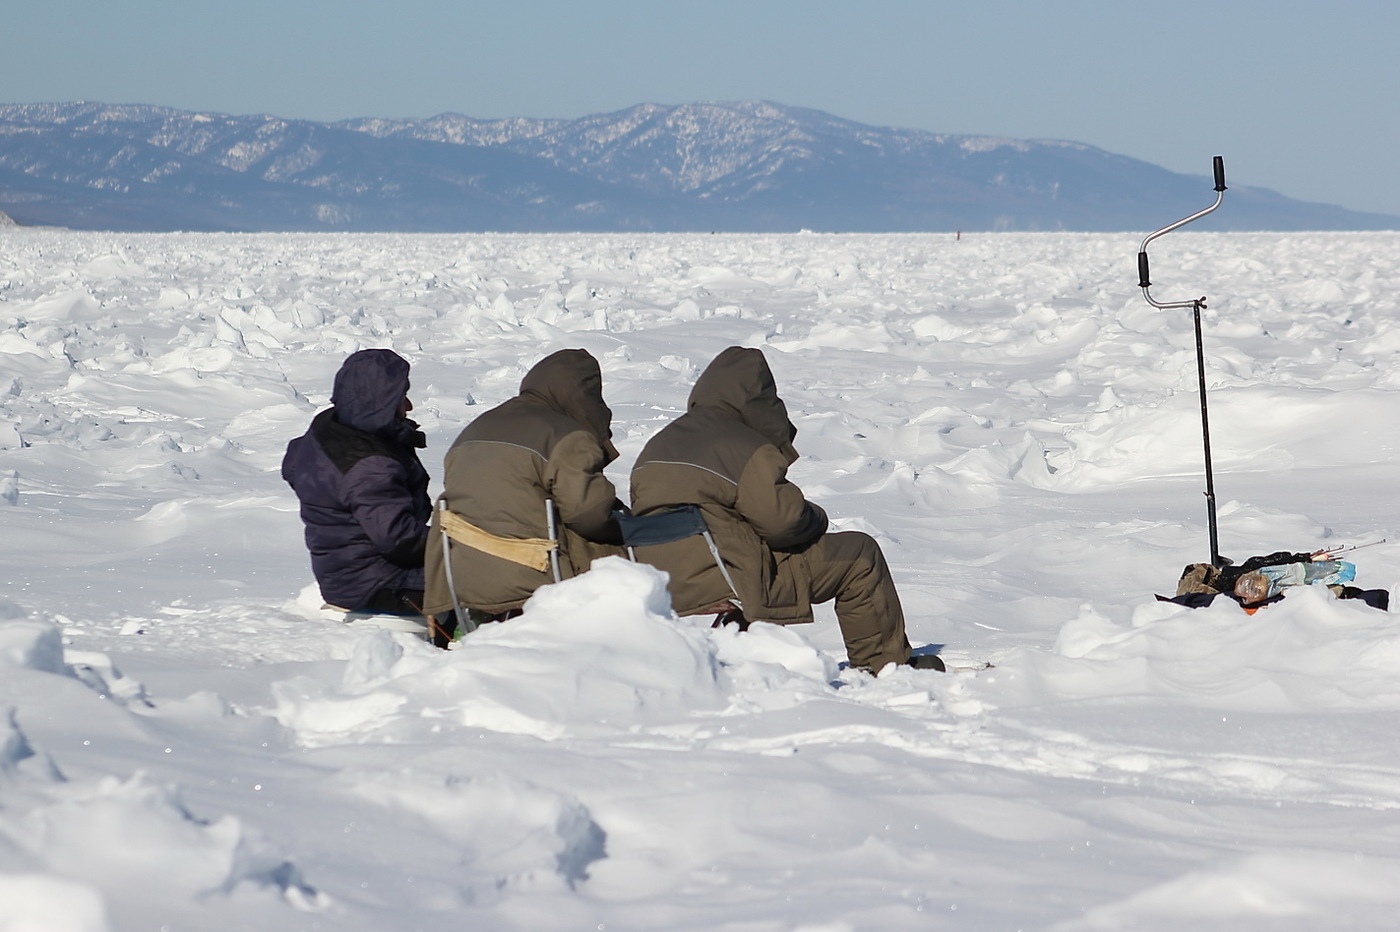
363, 492
728, 454
551, 443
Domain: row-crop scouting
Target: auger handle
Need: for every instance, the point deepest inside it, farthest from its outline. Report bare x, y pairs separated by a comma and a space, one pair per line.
1144, 280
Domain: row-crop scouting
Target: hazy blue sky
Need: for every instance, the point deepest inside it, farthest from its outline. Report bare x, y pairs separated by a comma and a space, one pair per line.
1298, 96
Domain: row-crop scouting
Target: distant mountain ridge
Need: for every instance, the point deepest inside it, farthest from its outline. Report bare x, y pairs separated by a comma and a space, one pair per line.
745, 167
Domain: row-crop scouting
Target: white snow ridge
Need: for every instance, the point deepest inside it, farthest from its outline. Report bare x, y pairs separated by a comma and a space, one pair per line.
187, 741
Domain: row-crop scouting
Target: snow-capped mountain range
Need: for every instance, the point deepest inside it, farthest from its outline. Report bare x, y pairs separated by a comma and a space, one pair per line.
747, 166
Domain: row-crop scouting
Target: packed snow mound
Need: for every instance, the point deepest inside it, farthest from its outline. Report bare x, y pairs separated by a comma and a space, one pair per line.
116, 834
31, 645
99, 839
591, 655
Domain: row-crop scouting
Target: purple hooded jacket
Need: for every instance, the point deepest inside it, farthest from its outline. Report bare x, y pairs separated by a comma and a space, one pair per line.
363, 492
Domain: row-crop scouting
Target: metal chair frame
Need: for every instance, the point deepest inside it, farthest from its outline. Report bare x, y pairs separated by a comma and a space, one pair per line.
463, 616
665, 527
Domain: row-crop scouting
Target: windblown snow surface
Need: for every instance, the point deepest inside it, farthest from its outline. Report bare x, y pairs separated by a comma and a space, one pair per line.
188, 741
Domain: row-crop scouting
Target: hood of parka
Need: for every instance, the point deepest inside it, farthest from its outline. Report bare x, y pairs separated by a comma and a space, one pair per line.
571, 382
369, 390
740, 383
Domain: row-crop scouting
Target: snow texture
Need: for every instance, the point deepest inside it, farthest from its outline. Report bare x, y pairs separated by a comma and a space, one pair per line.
187, 741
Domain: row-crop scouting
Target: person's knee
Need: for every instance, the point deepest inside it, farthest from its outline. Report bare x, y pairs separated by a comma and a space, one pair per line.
851, 559
857, 548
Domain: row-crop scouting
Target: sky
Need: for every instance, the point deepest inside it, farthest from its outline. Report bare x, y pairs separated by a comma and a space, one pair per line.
1298, 96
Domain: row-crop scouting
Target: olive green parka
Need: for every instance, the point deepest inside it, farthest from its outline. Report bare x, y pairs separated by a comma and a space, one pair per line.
551, 441
729, 454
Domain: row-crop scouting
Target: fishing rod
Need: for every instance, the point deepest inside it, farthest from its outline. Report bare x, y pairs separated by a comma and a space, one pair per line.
1196, 305
1338, 551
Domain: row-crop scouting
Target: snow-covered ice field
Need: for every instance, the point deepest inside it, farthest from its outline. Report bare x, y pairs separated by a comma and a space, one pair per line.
188, 742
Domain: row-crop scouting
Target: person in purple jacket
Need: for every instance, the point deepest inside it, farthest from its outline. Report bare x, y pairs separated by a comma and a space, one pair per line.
363, 492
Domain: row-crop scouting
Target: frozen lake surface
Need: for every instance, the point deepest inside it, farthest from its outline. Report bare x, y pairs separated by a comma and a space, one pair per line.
188, 742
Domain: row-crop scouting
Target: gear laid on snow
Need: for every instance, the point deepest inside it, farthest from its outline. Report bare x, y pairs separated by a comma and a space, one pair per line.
1264, 579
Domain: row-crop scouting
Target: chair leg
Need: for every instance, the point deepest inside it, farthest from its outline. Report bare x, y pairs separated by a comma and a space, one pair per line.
442, 629
551, 525
460, 617
731, 616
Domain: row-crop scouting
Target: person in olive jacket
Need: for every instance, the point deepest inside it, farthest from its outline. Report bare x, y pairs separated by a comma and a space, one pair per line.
363, 492
729, 454
550, 442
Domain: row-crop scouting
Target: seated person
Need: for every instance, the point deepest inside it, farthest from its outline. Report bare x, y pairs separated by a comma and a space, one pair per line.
548, 443
729, 454
363, 492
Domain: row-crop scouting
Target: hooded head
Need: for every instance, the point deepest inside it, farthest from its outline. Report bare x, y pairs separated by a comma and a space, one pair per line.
740, 383
571, 382
370, 390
